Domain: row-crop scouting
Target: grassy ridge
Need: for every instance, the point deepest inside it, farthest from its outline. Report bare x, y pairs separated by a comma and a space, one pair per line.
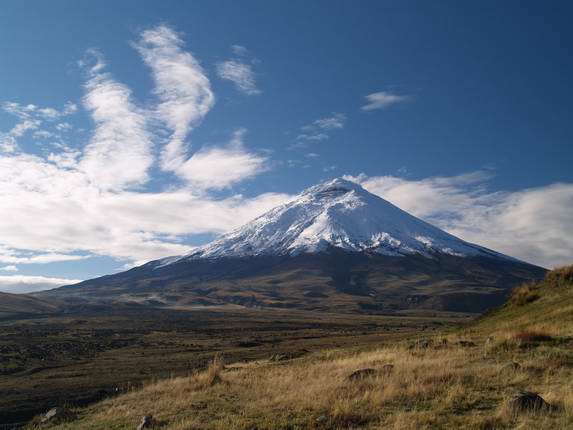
448, 381
545, 306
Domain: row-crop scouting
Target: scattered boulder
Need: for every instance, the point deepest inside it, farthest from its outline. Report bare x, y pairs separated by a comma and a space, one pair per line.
248, 344
50, 415
466, 344
279, 357
146, 422
526, 401
283, 356
362, 373
56, 415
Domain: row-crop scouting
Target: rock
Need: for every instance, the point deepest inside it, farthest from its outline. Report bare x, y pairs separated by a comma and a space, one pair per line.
526, 401
51, 415
321, 419
362, 373
284, 356
146, 422
279, 357
466, 344
55, 415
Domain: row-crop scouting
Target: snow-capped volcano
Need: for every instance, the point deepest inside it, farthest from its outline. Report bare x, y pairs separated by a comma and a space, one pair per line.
339, 214
335, 247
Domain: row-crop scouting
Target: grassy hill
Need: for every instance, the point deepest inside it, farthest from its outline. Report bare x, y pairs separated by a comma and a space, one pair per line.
544, 306
459, 379
11, 304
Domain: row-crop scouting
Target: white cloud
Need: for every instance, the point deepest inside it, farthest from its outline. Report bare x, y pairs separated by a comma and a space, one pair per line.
241, 74
45, 207
119, 153
84, 201
29, 284
31, 118
319, 129
382, 100
42, 134
17, 256
64, 126
337, 120
10, 268
235, 163
182, 87
239, 50
533, 224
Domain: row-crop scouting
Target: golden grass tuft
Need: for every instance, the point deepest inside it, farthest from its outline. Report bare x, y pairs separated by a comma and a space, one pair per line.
560, 276
524, 294
213, 373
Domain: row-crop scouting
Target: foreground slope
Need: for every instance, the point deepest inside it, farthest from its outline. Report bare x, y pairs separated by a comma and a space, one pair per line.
336, 247
463, 379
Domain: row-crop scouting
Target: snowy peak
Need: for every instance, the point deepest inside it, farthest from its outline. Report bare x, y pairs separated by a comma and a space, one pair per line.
340, 214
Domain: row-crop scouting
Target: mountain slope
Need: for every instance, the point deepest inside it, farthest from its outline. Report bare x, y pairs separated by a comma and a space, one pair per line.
336, 247
11, 304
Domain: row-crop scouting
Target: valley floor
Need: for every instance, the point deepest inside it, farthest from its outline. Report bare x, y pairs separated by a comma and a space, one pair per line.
79, 358
467, 379
448, 382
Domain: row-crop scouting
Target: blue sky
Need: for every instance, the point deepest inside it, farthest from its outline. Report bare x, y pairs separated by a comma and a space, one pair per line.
134, 130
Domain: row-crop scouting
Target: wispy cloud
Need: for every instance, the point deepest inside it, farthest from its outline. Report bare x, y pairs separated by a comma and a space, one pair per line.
319, 129
183, 89
10, 268
31, 119
383, 99
239, 50
77, 202
17, 256
119, 153
241, 74
30, 284
532, 224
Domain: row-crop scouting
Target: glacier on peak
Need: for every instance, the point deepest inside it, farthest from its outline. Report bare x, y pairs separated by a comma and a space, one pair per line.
340, 214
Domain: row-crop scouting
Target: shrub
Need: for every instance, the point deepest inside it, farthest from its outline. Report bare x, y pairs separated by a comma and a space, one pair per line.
524, 294
560, 276
528, 336
213, 373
